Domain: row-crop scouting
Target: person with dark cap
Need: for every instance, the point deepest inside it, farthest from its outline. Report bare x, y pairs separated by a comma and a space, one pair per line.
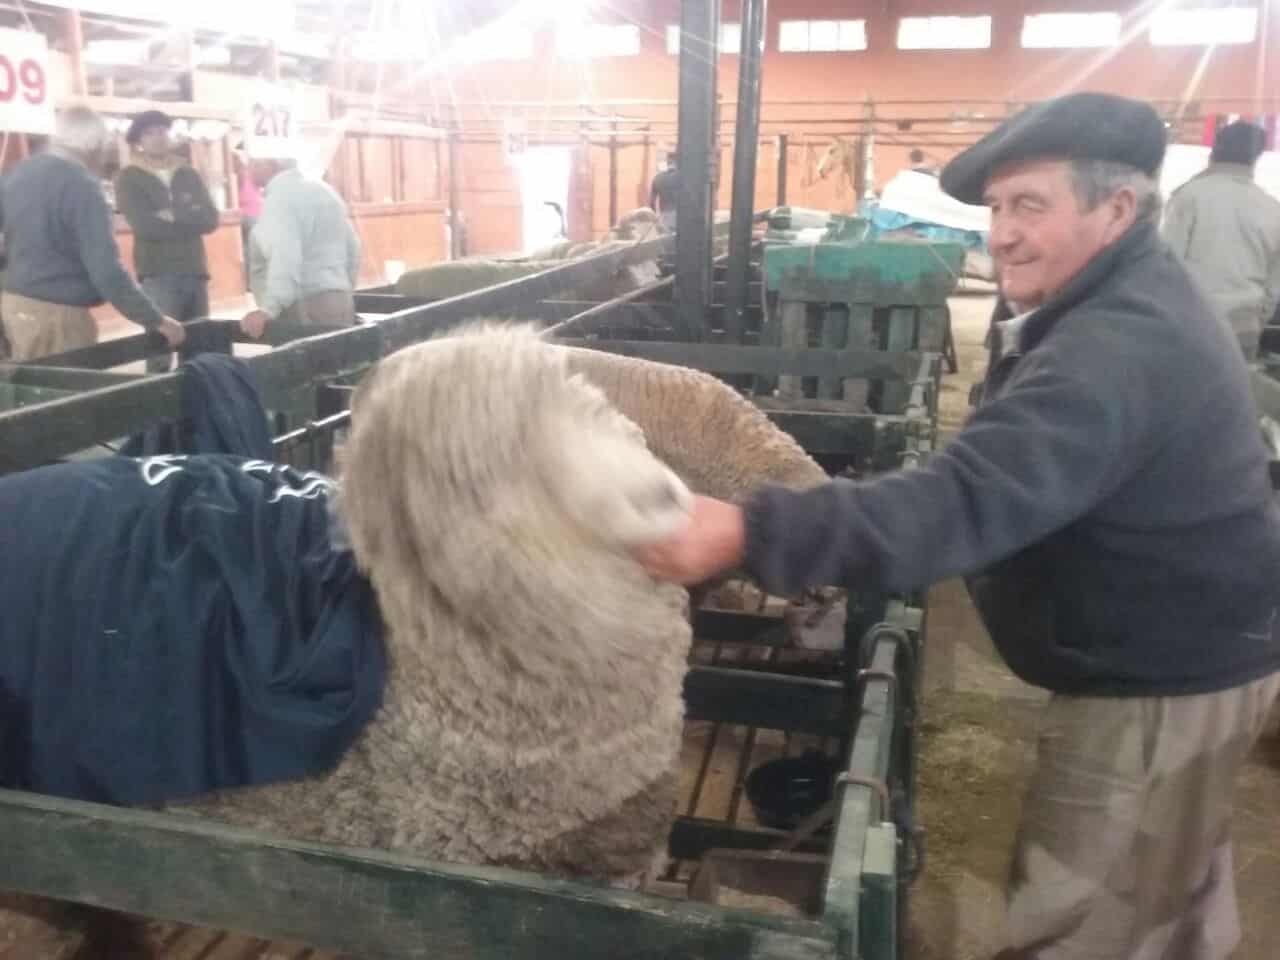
1110, 501
920, 164
168, 207
1226, 229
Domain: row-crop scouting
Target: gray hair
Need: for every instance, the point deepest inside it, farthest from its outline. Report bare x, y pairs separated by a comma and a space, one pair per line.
81, 131
1096, 180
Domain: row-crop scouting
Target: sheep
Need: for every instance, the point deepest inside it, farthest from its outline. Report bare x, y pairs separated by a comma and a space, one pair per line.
542, 732
539, 732
718, 442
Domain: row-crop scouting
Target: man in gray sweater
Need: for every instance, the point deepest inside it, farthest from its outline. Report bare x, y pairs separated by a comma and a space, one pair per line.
61, 247
304, 254
1226, 230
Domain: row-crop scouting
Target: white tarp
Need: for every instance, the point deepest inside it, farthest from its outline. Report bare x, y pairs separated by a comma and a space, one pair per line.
918, 196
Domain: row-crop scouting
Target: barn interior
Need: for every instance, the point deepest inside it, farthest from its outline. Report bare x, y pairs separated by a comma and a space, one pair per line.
491, 156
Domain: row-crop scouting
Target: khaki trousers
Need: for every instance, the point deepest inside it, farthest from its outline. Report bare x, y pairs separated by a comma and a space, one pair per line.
333, 308
37, 329
1124, 849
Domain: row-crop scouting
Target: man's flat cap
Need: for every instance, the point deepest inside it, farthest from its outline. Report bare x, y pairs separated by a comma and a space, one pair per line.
145, 121
1081, 126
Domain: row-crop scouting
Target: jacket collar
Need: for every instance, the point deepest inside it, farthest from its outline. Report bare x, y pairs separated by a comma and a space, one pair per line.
288, 173
1235, 171
1139, 241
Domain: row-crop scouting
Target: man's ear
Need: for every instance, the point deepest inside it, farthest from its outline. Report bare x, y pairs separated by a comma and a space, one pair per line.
1122, 211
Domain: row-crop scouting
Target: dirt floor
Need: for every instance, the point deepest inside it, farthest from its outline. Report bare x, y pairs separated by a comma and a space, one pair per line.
977, 747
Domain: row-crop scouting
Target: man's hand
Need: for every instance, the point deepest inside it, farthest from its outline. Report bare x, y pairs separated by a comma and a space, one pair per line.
254, 323
172, 331
713, 542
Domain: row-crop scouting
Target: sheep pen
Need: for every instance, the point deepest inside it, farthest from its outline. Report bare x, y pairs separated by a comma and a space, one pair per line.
541, 732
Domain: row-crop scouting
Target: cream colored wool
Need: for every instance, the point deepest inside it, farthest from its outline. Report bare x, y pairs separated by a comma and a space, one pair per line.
493, 485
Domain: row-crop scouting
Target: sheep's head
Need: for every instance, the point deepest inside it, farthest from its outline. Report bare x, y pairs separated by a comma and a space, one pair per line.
836, 156
484, 436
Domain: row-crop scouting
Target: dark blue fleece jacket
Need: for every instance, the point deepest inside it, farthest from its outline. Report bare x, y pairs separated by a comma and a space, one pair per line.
1110, 494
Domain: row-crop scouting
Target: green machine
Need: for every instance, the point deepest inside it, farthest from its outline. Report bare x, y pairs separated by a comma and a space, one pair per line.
839, 291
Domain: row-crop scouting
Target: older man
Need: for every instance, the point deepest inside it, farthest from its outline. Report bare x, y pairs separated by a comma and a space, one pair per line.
61, 246
1226, 229
304, 252
1112, 491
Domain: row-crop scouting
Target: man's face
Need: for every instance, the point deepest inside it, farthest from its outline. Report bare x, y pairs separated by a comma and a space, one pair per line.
1040, 236
155, 142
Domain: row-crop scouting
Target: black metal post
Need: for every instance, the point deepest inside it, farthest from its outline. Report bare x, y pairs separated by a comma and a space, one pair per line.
455, 240
746, 135
613, 178
782, 170
699, 57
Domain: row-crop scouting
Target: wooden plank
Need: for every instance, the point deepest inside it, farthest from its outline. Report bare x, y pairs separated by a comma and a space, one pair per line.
34, 929
765, 361
378, 905
193, 943
234, 946
793, 321
901, 337
861, 336
691, 837
835, 334
723, 626
766, 700
932, 334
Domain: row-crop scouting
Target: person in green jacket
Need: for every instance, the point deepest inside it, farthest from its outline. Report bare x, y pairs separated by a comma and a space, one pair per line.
168, 207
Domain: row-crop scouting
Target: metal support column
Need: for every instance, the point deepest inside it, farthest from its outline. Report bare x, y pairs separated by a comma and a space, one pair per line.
746, 134
782, 170
455, 240
699, 57
613, 177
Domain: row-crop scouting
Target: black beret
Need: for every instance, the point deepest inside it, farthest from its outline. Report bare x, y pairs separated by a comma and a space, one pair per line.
144, 122
1081, 126
1239, 142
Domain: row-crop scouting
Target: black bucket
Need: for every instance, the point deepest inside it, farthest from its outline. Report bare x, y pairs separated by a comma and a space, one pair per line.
784, 792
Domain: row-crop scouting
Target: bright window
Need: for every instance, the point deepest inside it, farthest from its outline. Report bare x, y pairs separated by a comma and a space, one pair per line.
1044, 30
1204, 26
730, 38
821, 36
497, 42
944, 33
582, 41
